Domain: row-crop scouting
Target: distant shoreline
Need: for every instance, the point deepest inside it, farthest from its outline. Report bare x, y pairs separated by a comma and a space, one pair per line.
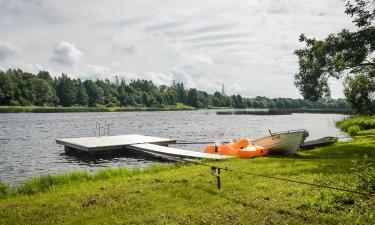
72, 109
284, 111
179, 107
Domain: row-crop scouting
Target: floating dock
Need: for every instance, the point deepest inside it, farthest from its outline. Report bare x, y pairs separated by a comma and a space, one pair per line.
134, 142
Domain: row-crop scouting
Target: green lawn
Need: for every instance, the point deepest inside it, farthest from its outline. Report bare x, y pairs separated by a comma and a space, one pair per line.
187, 194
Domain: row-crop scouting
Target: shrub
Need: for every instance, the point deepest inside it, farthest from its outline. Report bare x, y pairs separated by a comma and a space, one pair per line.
111, 105
365, 173
363, 122
354, 130
14, 103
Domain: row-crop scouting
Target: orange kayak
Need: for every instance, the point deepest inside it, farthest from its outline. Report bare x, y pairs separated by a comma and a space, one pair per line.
243, 148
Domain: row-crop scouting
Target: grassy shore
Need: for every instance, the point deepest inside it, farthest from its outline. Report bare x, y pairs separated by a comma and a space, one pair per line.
39, 109
358, 126
187, 193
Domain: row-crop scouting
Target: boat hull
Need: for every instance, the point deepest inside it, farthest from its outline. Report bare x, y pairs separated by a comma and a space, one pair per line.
283, 142
325, 141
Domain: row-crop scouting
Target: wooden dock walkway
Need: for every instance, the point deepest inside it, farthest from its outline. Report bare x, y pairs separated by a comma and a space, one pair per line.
175, 152
134, 142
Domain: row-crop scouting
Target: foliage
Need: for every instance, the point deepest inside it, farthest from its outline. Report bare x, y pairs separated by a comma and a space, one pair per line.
357, 125
362, 10
354, 130
18, 88
360, 91
82, 96
339, 55
365, 171
66, 90
94, 93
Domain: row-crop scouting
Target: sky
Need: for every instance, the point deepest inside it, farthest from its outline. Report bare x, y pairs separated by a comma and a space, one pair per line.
247, 45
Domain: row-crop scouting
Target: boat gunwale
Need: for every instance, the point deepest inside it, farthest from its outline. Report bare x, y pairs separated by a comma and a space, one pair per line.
283, 132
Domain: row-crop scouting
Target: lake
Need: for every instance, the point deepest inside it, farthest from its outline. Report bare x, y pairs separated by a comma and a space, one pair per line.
28, 148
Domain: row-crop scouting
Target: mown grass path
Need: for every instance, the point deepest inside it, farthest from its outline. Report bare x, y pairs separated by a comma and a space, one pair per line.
187, 194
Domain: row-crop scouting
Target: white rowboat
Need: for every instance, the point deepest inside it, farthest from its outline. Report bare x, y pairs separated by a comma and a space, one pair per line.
284, 142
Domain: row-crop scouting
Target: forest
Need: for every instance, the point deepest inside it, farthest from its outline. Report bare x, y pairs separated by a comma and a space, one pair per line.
20, 88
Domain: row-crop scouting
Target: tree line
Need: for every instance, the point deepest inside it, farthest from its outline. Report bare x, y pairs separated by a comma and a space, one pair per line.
19, 88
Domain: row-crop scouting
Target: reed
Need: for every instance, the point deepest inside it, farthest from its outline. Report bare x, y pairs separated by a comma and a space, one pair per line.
5, 190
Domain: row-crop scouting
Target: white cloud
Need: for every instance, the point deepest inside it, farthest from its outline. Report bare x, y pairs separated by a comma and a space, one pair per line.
248, 45
98, 70
7, 49
124, 43
66, 53
28, 67
156, 78
197, 58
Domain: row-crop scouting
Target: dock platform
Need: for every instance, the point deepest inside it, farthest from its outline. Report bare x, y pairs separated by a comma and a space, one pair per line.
103, 143
131, 143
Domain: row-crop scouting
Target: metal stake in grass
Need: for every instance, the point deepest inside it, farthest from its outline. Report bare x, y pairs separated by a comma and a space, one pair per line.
216, 173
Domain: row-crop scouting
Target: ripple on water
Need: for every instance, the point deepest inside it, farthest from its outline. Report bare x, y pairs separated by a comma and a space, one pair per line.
27, 141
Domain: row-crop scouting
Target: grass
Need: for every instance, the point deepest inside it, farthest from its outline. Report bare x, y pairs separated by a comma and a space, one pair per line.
40, 109
187, 193
358, 125
283, 111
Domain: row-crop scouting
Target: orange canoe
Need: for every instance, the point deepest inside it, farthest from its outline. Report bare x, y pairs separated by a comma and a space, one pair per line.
243, 148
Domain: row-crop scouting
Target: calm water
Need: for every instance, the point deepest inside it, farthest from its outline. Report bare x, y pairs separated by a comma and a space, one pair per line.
27, 141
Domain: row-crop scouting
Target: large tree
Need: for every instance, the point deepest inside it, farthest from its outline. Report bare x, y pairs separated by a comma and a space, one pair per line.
44, 93
7, 88
94, 92
82, 96
66, 90
342, 56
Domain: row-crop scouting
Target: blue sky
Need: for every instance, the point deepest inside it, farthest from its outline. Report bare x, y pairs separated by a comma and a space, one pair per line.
248, 45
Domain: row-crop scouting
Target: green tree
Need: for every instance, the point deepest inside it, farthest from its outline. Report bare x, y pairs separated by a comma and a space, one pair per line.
338, 55
66, 90
94, 92
7, 88
82, 96
44, 75
44, 93
360, 91
192, 97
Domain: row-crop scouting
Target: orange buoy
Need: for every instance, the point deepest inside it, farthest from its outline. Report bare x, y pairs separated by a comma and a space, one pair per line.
243, 148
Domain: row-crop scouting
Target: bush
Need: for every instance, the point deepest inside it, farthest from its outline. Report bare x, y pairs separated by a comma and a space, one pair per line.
354, 130
365, 172
111, 105
364, 123
14, 103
